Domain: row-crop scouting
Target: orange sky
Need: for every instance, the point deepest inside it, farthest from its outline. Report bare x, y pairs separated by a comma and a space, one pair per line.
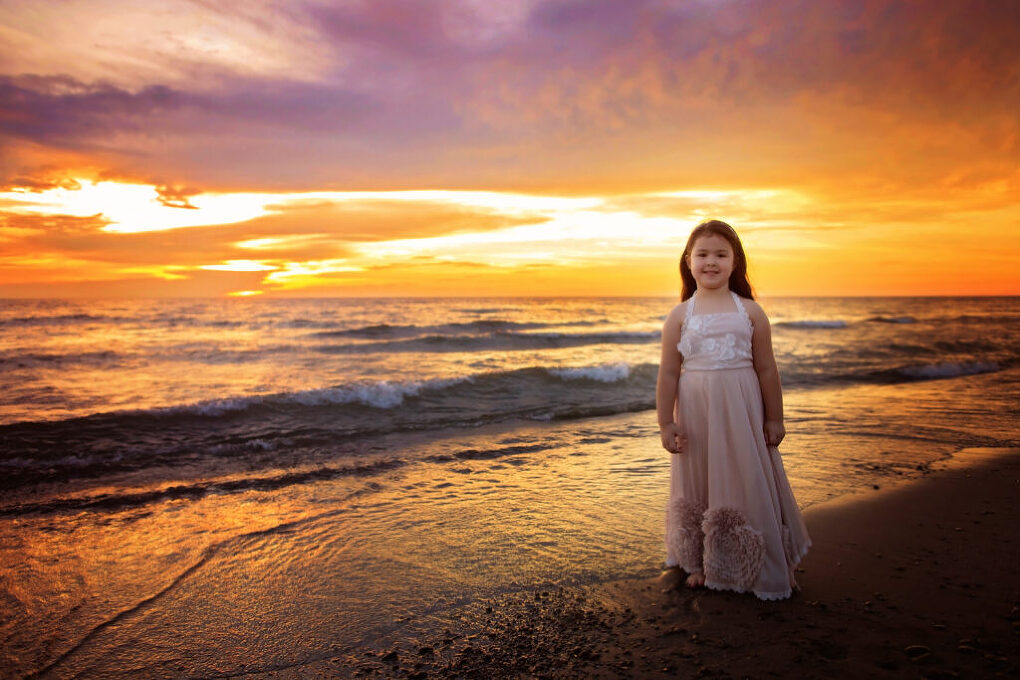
412, 147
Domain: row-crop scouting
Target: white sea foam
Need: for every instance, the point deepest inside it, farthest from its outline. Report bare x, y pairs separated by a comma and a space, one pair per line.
384, 394
607, 373
212, 408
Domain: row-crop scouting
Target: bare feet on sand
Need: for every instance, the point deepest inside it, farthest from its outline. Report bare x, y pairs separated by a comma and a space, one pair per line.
794, 586
671, 578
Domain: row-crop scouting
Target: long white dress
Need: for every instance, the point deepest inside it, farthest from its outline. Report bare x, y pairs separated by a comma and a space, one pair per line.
731, 513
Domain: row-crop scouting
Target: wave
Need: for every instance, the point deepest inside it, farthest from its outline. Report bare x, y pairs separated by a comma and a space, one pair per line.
199, 489
484, 310
973, 348
386, 394
469, 398
377, 395
383, 394
502, 340
986, 319
812, 376
292, 424
197, 353
893, 319
808, 374
948, 370
32, 360
482, 326
244, 427
811, 324
604, 374
120, 501
59, 319
410, 331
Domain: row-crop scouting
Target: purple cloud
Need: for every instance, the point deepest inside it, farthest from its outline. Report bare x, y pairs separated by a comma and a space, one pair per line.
58, 108
449, 94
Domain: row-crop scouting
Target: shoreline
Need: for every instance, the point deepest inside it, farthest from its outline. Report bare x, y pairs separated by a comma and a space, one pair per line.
873, 587
917, 580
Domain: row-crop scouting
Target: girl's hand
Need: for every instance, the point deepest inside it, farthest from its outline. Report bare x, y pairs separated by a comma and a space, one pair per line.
774, 432
674, 439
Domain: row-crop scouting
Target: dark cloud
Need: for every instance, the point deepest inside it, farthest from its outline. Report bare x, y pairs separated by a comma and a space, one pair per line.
40, 182
45, 226
176, 196
61, 110
58, 108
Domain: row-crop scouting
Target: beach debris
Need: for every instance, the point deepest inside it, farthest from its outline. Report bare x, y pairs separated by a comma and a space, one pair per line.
917, 653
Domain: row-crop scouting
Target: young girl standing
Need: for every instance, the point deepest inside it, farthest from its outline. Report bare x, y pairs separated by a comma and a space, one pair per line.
732, 522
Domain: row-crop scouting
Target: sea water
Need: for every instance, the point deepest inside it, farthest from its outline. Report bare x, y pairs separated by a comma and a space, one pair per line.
201, 487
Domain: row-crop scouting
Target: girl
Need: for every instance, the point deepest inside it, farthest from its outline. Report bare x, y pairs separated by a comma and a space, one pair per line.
732, 522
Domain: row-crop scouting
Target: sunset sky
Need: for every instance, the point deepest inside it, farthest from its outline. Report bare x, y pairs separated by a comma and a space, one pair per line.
518, 147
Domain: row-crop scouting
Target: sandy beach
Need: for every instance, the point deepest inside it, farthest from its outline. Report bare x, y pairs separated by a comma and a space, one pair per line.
919, 580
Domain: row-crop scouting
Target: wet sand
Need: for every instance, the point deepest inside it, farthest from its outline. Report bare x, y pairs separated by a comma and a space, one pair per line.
920, 580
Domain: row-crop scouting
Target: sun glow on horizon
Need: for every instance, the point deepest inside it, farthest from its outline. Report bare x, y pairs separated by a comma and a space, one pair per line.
240, 266
133, 208
576, 242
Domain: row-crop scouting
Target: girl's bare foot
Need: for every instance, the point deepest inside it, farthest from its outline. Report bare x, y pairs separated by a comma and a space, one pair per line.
696, 580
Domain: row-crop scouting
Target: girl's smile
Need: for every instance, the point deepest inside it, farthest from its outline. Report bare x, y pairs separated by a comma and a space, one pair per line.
711, 261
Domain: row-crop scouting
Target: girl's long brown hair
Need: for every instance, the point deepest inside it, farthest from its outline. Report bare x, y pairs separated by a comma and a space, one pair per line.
739, 283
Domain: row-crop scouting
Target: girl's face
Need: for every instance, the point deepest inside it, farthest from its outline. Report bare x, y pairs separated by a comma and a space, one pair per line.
711, 261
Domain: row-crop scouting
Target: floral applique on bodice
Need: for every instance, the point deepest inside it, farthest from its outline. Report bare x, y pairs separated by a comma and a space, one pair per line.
716, 341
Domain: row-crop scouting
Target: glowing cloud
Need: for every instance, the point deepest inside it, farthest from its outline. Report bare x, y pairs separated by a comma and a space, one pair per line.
133, 208
240, 266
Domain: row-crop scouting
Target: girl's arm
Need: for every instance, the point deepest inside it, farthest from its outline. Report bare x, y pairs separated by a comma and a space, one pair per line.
768, 375
672, 433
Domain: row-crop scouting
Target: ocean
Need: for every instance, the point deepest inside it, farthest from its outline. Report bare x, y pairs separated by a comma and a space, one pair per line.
254, 484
